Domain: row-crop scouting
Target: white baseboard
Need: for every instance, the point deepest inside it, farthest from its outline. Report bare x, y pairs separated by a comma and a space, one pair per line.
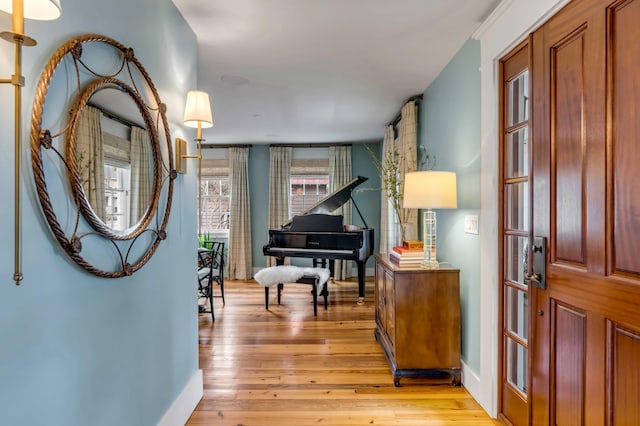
182, 408
471, 382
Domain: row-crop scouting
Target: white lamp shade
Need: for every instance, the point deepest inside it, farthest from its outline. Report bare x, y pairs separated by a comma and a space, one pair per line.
430, 190
42, 10
198, 110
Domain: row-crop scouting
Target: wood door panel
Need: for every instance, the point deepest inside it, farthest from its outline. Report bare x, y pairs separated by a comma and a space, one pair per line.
625, 33
568, 346
586, 156
515, 408
624, 378
616, 299
568, 142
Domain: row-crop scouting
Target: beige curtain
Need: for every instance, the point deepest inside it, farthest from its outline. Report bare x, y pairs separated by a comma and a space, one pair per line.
91, 158
387, 215
141, 172
279, 182
408, 161
239, 256
339, 175
405, 147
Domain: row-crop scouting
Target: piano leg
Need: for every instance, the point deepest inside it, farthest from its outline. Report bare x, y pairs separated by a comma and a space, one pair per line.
361, 272
323, 262
332, 268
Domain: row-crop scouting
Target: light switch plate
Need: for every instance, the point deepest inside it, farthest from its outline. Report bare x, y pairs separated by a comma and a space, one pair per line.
471, 224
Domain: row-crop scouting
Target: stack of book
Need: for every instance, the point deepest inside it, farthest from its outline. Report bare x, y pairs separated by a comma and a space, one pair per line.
404, 256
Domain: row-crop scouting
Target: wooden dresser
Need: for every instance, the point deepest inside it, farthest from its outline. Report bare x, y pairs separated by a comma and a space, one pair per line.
418, 319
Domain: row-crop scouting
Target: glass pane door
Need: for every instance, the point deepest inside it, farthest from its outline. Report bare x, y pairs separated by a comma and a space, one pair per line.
516, 204
515, 201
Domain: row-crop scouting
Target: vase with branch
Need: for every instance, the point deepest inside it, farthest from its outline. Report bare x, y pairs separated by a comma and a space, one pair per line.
390, 168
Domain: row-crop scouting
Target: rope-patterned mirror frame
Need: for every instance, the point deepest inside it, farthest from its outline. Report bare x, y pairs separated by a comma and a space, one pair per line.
154, 221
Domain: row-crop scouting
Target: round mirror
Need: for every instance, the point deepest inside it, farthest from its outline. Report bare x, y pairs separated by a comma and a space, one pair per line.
113, 163
106, 135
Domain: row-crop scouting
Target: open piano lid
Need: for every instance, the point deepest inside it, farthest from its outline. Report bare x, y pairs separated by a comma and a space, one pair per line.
335, 200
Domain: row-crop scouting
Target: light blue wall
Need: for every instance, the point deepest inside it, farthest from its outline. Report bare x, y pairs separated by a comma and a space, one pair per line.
259, 194
367, 199
367, 195
76, 349
450, 129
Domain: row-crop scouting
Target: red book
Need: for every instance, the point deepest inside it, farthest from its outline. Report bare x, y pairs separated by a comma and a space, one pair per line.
404, 250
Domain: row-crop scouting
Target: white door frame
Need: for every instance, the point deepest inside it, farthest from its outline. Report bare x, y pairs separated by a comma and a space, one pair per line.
510, 23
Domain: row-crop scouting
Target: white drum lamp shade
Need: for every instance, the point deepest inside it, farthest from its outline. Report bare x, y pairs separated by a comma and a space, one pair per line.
430, 190
42, 10
197, 112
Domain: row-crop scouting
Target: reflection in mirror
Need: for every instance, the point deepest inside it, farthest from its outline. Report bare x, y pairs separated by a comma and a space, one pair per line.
115, 165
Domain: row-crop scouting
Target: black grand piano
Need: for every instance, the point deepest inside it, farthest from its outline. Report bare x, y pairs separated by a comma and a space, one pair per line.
317, 234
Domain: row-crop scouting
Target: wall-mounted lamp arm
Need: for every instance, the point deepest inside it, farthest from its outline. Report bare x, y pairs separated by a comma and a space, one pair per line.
181, 155
17, 80
50, 9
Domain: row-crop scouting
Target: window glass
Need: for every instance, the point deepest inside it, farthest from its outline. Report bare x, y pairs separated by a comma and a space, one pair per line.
517, 160
518, 312
519, 99
305, 191
516, 259
116, 193
517, 198
517, 365
215, 203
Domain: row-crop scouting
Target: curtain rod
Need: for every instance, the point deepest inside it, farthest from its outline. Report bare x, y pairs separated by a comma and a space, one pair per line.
397, 118
116, 117
216, 146
310, 145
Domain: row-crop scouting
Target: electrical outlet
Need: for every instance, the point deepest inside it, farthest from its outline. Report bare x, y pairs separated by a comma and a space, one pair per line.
471, 224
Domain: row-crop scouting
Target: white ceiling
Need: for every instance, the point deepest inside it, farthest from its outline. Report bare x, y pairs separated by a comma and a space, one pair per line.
302, 71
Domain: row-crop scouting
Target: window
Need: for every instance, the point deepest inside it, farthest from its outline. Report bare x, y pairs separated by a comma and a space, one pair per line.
309, 180
116, 192
305, 191
215, 204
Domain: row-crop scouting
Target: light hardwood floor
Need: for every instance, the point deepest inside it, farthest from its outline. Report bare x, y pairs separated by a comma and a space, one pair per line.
285, 367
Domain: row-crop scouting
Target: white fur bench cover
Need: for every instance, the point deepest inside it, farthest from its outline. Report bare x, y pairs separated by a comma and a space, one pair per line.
290, 274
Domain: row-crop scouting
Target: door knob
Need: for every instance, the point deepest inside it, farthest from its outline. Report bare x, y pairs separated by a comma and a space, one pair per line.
533, 277
538, 272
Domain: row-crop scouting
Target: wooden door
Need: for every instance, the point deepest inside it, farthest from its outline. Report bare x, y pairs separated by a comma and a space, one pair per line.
586, 203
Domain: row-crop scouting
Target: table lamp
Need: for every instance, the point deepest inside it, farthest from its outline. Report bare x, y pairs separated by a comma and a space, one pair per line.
429, 190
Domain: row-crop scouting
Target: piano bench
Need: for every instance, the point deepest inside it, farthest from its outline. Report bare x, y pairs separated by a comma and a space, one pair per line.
316, 279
